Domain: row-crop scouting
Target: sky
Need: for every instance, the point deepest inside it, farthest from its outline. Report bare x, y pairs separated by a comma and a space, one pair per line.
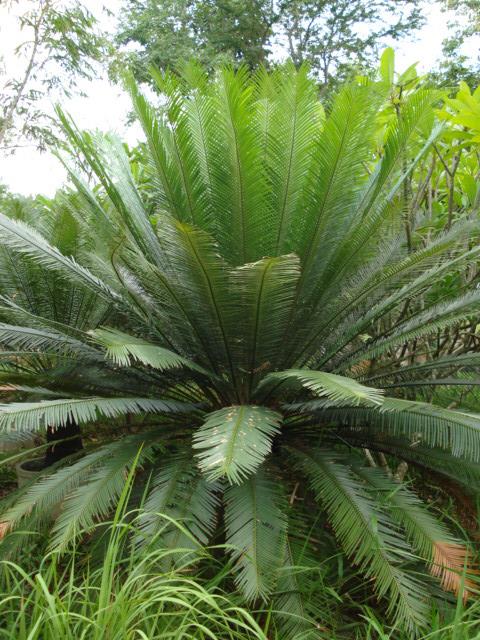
106, 106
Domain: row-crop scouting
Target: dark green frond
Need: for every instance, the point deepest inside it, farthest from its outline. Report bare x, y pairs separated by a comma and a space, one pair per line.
125, 349
97, 496
339, 389
234, 441
256, 530
266, 291
26, 240
368, 536
179, 493
29, 416
455, 431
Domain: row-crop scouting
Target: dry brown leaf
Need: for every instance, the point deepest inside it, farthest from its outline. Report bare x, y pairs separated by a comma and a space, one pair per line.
449, 564
361, 368
4, 527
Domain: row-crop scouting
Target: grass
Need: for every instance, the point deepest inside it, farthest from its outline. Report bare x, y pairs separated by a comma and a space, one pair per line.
138, 602
108, 590
112, 592
115, 593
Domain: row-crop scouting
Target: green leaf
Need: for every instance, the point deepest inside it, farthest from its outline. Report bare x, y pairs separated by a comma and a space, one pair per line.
423, 530
368, 536
97, 496
424, 423
179, 493
387, 65
124, 349
234, 441
27, 241
266, 293
199, 277
50, 490
439, 461
29, 416
256, 530
446, 555
337, 388
43, 340
293, 603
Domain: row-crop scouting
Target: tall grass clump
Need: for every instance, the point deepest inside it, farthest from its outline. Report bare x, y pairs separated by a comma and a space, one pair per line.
111, 590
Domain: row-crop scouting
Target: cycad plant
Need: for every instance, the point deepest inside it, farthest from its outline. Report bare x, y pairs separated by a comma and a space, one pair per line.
26, 293
263, 302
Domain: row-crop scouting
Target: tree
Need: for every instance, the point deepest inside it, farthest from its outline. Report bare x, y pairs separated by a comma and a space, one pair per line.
61, 45
213, 32
274, 326
456, 65
334, 36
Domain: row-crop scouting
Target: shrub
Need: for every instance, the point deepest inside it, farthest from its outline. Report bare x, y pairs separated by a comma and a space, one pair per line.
260, 285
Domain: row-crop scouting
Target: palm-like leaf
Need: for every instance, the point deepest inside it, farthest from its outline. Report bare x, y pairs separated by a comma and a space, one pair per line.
337, 388
49, 491
446, 555
266, 293
248, 269
23, 239
455, 431
256, 530
180, 499
28, 416
235, 441
94, 499
380, 551
125, 349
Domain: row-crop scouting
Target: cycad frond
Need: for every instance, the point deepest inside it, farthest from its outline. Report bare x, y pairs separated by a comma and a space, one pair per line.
241, 184
291, 122
455, 431
124, 349
350, 124
235, 441
200, 278
41, 339
385, 282
30, 416
180, 493
27, 241
368, 536
339, 389
446, 555
439, 461
453, 363
417, 114
292, 604
169, 180
50, 490
256, 530
424, 323
266, 292
97, 497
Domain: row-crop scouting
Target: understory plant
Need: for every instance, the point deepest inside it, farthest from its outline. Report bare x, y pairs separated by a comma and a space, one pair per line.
269, 333
119, 592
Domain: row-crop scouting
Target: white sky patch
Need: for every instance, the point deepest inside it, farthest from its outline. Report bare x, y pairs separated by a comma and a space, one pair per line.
106, 106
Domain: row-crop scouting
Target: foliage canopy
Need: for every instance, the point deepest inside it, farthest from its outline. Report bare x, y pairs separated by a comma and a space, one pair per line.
247, 290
